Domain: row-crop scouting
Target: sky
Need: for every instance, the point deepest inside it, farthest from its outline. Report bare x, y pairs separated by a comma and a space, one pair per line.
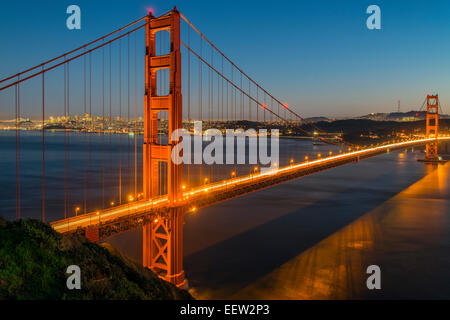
318, 56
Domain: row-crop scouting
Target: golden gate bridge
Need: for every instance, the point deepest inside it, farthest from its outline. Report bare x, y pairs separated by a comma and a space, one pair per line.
186, 77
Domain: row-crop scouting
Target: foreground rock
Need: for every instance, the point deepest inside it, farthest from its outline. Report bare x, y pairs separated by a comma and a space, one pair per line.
34, 259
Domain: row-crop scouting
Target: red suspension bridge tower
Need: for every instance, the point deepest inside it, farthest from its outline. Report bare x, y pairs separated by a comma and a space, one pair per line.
432, 125
163, 237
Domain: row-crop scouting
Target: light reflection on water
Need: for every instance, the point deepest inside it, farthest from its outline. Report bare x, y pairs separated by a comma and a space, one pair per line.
402, 229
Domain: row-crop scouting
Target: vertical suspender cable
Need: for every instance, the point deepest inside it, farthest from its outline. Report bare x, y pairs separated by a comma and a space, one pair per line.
84, 137
218, 109
265, 106
223, 172
110, 115
43, 145
189, 77
232, 97
103, 127
68, 135
160, 118
189, 96
249, 104
211, 105
128, 118
17, 153
257, 108
65, 138
210, 90
200, 83
120, 120
227, 102
18, 189
200, 96
135, 119
218, 97
242, 100
91, 125
19, 156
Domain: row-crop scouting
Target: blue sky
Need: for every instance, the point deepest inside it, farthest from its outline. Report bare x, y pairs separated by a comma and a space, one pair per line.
316, 55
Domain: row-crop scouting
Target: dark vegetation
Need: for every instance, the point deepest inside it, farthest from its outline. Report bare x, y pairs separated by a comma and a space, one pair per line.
34, 259
386, 130
348, 127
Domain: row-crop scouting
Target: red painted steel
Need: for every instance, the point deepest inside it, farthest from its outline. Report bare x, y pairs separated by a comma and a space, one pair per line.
163, 237
432, 126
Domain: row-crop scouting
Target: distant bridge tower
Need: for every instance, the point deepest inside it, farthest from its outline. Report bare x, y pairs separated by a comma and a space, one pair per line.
163, 237
432, 126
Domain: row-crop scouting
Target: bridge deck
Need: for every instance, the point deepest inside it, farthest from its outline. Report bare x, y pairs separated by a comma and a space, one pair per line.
134, 214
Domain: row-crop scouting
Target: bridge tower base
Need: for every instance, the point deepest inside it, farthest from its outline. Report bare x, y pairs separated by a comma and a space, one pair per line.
432, 127
163, 236
92, 234
163, 247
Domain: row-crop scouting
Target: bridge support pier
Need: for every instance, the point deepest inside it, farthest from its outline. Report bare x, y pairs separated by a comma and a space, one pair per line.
163, 237
163, 247
92, 234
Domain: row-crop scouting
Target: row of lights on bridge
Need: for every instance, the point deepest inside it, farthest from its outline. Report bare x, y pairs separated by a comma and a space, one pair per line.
255, 169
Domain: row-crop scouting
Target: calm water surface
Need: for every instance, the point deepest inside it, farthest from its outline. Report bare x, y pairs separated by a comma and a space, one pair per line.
311, 238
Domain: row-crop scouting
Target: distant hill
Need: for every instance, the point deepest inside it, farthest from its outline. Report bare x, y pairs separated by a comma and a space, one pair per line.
363, 125
34, 259
354, 128
317, 119
399, 116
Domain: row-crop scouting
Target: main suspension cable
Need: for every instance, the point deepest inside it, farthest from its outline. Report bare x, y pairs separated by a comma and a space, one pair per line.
250, 79
72, 51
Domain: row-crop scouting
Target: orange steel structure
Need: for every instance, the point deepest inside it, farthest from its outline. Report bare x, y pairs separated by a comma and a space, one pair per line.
163, 236
432, 126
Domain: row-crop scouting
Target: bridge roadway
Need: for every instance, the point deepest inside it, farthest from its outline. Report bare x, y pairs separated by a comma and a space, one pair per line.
134, 214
